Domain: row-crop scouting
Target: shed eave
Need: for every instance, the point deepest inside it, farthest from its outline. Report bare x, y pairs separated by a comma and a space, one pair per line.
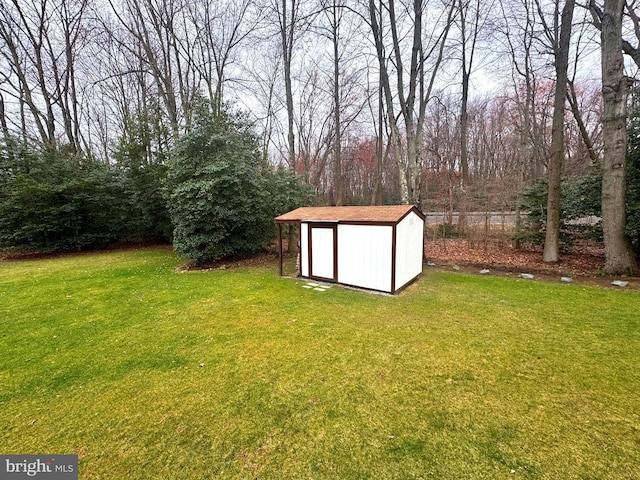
372, 215
288, 221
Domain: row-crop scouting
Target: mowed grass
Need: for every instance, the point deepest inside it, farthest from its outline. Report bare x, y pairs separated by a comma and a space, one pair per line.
458, 377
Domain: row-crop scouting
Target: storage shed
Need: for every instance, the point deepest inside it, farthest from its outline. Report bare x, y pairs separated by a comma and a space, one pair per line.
376, 248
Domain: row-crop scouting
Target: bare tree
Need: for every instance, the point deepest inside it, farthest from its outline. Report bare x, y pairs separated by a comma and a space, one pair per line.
290, 20
471, 20
220, 28
412, 93
558, 38
442, 150
518, 26
582, 38
629, 14
40, 43
265, 78
152, 36
524, 38
314, 124
377, 196
334, 13
6, 133
619, 256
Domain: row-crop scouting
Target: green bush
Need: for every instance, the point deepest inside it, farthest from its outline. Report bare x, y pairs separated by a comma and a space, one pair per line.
633, 180
141, 152
447, 230
580, 197
54, 201
223, 194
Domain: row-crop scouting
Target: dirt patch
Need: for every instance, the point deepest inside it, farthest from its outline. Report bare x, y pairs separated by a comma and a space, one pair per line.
261, 259
584, 264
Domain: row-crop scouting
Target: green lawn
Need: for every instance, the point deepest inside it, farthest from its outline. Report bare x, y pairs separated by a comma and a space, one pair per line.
459, 377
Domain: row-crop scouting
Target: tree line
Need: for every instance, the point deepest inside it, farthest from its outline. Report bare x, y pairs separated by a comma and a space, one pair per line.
447, 104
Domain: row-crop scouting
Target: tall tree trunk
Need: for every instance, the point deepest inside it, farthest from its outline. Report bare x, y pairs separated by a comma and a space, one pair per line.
523, 154
337, 146
561, 53
468, 40
292, 242
287, 30
376, 198
8, 141
287, 20
619, 256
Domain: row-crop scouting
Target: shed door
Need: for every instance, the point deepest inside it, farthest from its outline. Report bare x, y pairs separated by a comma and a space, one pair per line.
322, 247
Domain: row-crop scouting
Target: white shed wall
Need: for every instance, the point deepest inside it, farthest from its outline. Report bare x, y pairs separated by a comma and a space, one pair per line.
409, 236
304, 249
364, 256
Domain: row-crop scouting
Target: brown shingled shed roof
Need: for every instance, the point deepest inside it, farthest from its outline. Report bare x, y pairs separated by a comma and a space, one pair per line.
382, 214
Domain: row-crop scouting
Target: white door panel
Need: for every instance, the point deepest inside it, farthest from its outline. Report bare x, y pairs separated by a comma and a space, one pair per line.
322, 252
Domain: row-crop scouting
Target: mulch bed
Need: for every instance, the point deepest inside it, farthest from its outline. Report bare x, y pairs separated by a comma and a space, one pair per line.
584, 263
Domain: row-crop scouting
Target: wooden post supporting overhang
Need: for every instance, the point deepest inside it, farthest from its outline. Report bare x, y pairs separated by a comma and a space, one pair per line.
280, 245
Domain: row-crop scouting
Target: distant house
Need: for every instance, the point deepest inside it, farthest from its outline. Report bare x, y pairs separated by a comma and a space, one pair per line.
377, 248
